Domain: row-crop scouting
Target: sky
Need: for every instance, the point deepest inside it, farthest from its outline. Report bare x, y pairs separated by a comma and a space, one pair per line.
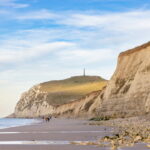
42, 40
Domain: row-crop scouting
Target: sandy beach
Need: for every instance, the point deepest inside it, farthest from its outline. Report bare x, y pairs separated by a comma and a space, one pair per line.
54, 135
58, 131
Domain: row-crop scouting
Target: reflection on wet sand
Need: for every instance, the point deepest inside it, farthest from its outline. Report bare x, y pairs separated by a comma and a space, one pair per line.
55, 132
36, 142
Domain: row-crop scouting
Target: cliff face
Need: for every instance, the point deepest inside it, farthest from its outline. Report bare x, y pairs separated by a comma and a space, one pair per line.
86, 107
128, 91
126, 94
33, 103
59, 97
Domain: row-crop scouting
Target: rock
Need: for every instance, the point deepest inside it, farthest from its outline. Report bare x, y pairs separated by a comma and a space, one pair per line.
148, 145
137, 138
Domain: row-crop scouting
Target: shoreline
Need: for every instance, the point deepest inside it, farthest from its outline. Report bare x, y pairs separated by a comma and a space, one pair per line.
58, 133
30, 122
67, 134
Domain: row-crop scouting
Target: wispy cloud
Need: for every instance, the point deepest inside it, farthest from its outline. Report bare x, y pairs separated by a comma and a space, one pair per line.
89, 56
96, 35
113, 22
123, 21
37, 15
21, 54
91, 33
13, 4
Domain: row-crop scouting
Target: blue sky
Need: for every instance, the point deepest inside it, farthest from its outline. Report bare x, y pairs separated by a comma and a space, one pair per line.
42, 40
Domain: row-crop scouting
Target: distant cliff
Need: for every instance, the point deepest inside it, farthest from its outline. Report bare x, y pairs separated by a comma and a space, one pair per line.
126, 94
51, 97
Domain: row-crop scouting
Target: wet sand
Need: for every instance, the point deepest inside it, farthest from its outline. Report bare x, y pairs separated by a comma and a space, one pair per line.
55, 135
59, 132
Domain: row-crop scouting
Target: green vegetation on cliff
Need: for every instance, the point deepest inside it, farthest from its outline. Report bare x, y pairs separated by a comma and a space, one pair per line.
63, 91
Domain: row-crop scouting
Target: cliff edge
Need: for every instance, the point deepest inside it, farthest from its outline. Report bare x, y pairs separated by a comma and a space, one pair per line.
128, 91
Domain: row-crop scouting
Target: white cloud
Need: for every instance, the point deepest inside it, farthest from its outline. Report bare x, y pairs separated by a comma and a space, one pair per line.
119, 22
24, 53
95, 36
12, 3
86, 56
122, 21
96, 28
36, 15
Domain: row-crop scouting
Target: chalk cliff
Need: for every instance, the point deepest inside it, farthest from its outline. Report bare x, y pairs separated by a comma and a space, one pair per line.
128, 91
126, 94
59, 97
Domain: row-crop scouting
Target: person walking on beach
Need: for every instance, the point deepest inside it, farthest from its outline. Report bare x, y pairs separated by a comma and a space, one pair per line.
47, 119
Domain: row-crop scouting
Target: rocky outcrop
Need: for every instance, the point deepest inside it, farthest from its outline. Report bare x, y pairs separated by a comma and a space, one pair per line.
126, 94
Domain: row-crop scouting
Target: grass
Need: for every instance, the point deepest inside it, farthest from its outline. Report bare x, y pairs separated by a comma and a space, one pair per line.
81, 89
63, 91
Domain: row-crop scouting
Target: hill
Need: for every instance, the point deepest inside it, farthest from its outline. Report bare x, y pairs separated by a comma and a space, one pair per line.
43, 98
63, 91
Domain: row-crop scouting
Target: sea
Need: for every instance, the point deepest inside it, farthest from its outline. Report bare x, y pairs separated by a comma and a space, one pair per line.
15, 122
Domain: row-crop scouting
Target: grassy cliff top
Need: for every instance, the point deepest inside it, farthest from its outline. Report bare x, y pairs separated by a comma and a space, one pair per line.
74, 80
63, 91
